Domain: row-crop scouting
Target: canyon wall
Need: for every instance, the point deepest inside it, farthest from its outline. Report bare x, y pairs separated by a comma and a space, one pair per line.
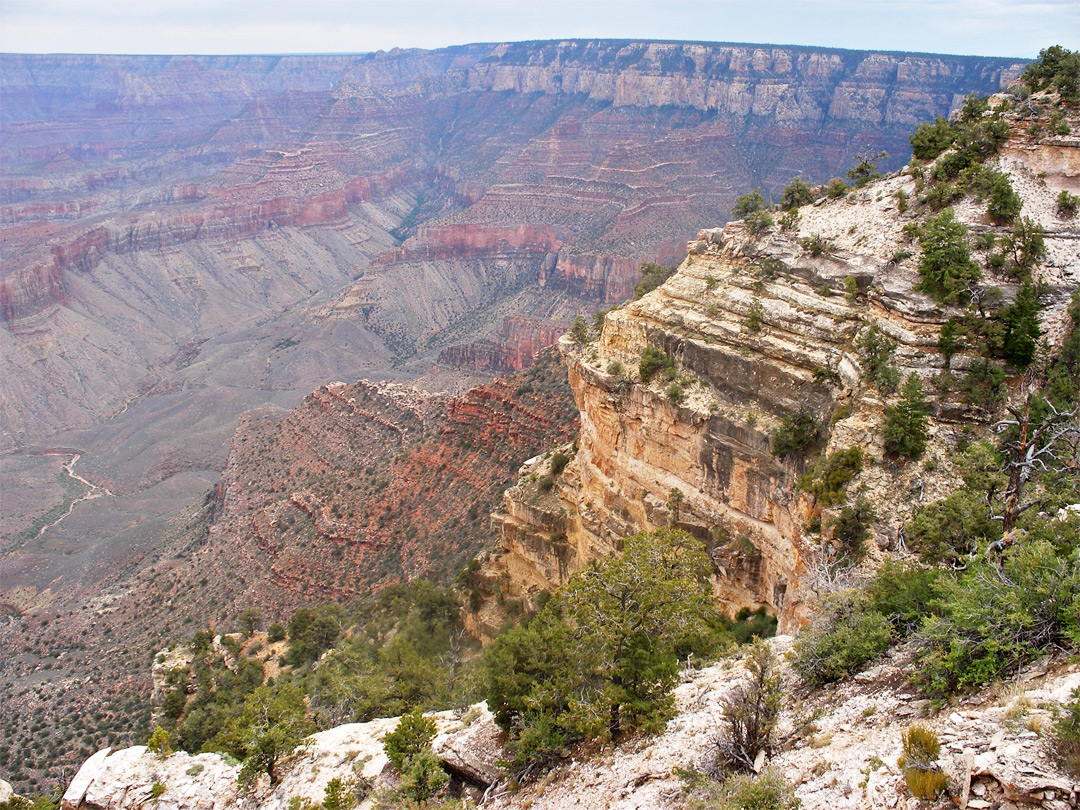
755, 327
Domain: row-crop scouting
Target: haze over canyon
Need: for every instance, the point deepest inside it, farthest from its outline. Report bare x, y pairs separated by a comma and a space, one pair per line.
186, 239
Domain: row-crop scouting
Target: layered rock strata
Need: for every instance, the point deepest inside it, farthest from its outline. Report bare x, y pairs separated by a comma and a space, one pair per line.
756, 327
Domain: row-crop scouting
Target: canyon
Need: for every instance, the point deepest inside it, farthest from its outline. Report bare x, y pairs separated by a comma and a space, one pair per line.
755, 324
193, 245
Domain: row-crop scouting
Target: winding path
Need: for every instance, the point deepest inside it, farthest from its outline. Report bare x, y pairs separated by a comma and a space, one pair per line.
93, 491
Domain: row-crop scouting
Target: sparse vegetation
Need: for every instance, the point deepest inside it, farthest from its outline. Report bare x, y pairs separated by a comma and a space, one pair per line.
946, 267
652, 361
797, 193
827, 480
876, 350
1067, 204
918, 763
865, 168
652, 276
1056, 69
602, 656
750, 208
797, 432
751, 711
1066, 735
753, 316
845, 637
817, 245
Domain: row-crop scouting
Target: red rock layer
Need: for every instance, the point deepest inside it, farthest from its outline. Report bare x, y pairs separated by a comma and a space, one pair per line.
365, 484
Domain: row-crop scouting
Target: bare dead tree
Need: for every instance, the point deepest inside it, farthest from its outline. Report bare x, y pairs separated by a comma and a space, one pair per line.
1042, 443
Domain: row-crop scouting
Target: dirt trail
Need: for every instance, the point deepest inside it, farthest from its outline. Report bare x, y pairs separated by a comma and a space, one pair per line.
93, 491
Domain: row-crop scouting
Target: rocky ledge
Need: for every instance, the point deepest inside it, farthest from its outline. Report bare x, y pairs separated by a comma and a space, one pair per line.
840, 749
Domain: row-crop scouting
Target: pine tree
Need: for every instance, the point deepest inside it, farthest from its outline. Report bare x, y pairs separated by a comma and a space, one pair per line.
905, 430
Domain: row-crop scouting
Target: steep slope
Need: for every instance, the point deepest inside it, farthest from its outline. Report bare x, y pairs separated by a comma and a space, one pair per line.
756, 327
845, 759
361, 485
186, 238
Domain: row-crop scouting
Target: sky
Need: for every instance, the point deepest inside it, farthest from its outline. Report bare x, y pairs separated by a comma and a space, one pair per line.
1013, 28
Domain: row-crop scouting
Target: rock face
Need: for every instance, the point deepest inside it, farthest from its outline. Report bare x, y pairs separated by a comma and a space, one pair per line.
845, 760
365, 484
353, 753
186, 239
756, 327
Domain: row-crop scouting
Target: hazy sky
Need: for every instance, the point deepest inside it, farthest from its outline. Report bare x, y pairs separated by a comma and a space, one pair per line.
985, 27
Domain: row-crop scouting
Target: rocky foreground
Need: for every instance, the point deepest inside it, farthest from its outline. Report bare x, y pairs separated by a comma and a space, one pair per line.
840, 748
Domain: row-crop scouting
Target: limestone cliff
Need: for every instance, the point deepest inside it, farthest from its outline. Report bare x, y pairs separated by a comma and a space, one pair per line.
756, 326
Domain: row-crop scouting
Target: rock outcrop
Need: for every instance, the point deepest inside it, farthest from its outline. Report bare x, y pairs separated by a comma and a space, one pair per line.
756, 327
841, 752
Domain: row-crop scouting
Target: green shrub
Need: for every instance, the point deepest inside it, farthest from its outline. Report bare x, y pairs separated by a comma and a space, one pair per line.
1066, 736
753, 316
616, 368
1003, 204
918, 763
748, 203
768, 790
339, 795
750, 625
817, 245
903, 593
159, 742
312, 631
579, 332
851, 290
876, 351
950, 341
1026, 249
559, 460
797, 432
797, 193
835, 188
423, 776
1056, 69
1067, 205
601, 657
758, 221
1021, 320
275, 633
905, 430
973, 108
827, 480
412, 736
675, 393
951, 529
945, 267
851, 531
1003, 609
984, 385
931, 139
157, 789
865, 168
652, 361
652, 276
845, 637
271, 726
